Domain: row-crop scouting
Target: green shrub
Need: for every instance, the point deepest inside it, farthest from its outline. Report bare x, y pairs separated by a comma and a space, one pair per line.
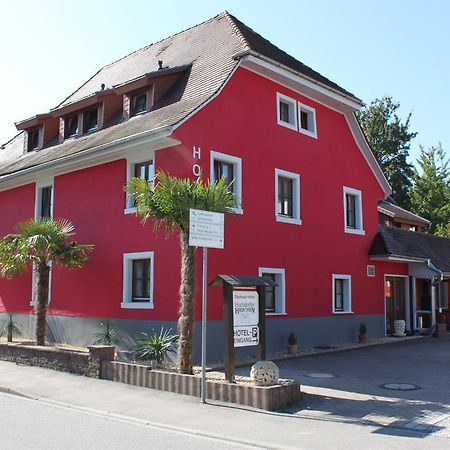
108, 334
10, 328
292, 340
362, 329
155, 346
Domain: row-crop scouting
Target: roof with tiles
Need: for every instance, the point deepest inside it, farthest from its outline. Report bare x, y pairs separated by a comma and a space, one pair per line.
209, 50
391, 241
388, 208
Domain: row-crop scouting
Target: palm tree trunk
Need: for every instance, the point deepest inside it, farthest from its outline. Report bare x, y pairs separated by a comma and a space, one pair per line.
42, 284
187, 297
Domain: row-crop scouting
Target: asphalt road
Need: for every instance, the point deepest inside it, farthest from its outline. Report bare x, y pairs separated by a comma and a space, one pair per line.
30, 424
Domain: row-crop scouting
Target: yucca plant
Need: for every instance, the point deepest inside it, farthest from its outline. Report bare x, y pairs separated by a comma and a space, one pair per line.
155, 346
107, 334
168, 203
39, 243
10, 327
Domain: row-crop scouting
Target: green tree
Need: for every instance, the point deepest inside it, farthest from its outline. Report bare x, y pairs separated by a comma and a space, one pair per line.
39, 243
168, 203
390, 140
430, 195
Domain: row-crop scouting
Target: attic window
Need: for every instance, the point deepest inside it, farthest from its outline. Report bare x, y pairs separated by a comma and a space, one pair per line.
138, 103
71, 126
33, 140
287, 116
307, 117
90, 120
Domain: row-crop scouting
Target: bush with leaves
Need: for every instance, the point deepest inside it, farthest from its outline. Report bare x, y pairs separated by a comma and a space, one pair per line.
107, 334
155, 346
10, 327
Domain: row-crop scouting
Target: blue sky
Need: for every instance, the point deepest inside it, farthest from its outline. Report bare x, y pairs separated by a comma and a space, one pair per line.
372, 48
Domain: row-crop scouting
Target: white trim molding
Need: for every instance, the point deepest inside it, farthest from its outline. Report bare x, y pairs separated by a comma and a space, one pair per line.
128, 258
237, 168
280, 289
292, 106
359, 228
311, 113
347, 294
296, 216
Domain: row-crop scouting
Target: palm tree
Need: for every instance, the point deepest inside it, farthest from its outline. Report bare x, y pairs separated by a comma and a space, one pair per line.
39, 243
169, 203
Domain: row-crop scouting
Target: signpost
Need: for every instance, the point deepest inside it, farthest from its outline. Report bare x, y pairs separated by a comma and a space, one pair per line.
206, 229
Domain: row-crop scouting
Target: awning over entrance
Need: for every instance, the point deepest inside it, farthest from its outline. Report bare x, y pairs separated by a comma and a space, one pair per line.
394, 244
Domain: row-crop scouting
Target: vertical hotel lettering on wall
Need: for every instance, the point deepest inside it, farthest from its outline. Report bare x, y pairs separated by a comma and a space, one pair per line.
197, 156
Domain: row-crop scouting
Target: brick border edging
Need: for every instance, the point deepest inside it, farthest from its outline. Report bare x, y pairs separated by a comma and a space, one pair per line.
82, 363
268, 398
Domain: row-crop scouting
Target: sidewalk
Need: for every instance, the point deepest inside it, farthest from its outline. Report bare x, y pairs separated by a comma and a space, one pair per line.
187, 415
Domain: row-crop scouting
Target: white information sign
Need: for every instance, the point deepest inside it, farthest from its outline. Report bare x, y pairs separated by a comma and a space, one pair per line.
245, 318
246, 336
245, 308
206, 229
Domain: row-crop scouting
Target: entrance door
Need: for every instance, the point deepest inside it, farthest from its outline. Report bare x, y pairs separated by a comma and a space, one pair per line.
395, 301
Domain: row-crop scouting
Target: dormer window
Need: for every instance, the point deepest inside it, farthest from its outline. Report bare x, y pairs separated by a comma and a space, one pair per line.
138, 103
71, 126
90, 120
33, 139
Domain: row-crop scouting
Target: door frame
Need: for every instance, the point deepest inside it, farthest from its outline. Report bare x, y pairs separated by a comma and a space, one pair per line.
407, 305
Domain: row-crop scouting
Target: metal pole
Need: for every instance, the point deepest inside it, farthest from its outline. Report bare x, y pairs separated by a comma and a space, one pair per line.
204, 318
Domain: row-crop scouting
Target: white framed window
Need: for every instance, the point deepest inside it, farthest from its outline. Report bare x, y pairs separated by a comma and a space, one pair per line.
371, 271
286, 111
287, 197
307, 120
342, 294
275, 296
353, 214
229, 167
138, 280
44, 199
141, 167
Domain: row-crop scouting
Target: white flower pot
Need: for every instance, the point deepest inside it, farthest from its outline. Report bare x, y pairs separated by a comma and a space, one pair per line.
399, 327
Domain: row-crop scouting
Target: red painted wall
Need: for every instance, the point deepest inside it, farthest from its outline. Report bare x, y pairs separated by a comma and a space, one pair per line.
241, 122
16, 205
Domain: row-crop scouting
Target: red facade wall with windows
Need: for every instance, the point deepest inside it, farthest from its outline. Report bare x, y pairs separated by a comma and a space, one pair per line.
242, 122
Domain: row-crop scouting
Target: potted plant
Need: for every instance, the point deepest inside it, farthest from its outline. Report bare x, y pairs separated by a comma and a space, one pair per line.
363, 336
292, 341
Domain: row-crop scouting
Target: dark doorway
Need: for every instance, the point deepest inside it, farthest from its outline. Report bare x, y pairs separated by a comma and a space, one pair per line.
395, 301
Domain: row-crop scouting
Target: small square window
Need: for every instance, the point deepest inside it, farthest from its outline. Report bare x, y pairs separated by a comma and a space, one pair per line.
230, 168
342, 295
275, 295
353, 216
71, 126
138, 280
287, 197
33, 139
138, 103
307, 120
286, 110
90, 120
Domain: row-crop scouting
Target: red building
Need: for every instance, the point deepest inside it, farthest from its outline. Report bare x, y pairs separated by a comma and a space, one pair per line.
216, 99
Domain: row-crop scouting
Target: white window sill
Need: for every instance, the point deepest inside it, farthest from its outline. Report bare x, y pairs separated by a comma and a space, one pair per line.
236, 210
276, 314
291, 220
130, 210
355, 231
308, 133
291, 126
137, 305
340, 313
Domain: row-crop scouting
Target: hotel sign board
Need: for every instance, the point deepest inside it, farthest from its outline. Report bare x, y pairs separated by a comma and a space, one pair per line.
245, 318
